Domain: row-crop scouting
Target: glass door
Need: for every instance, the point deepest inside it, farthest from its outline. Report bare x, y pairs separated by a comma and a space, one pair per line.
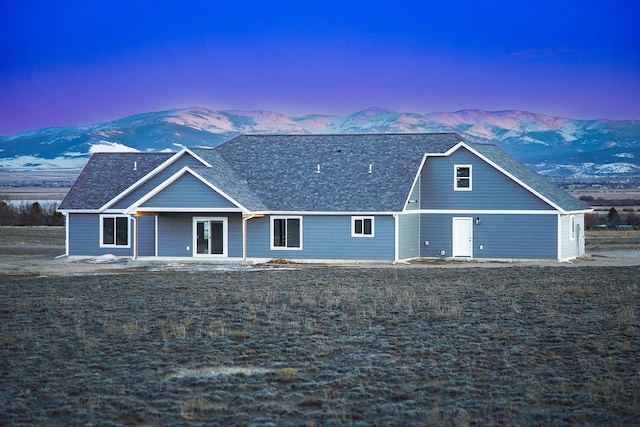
210, 236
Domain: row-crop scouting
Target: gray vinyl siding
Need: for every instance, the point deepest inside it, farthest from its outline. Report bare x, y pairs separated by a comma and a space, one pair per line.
146, 236
502, 236
491, 189
84, 237
326, 238
409, 236
188, 192
175, 234
158, 179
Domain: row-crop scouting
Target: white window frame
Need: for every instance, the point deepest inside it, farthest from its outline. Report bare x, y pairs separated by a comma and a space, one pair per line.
115, 231
362, 218
455, 178
572, 227
271, 231
225, 235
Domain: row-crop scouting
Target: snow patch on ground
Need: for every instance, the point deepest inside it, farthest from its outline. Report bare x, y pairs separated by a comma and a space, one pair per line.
105, 259
196, 268
218, 371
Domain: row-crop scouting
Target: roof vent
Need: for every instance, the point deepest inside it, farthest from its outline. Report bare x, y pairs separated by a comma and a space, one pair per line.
135, 166
370, 168
318, 168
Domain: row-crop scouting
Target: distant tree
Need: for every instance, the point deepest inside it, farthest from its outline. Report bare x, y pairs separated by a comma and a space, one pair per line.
591, 221
34, 215
632, 219
8, 214
613, 217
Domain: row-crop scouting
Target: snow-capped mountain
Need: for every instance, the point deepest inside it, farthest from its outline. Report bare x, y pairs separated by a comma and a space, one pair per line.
554, 146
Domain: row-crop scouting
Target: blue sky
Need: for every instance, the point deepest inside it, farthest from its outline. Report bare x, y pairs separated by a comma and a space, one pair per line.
81, 62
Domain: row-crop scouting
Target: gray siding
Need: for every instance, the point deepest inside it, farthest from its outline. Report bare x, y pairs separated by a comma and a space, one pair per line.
162, 176
146, 236
175, 234
326, 237
409, 236
188, 192
501, 236
84, 237
491, 189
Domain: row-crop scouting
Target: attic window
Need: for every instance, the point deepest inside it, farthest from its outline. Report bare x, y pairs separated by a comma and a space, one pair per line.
462, 178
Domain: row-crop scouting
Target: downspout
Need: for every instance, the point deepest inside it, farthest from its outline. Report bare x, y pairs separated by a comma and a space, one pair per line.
66, 235
135, 235
396, 238
244, 235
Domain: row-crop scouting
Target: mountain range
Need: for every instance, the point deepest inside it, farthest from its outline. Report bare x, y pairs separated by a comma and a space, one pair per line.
559, 148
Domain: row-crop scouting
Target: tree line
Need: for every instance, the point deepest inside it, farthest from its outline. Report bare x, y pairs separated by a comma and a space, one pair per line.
30, 213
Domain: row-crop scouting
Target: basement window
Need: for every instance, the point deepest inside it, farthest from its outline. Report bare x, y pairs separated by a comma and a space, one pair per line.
362, 226
114, 231
462, 178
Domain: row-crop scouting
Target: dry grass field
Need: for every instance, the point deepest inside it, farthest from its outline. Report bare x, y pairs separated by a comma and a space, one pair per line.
516, 345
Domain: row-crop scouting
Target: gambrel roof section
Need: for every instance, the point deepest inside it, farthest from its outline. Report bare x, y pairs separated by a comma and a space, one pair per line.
108, 174
332, 173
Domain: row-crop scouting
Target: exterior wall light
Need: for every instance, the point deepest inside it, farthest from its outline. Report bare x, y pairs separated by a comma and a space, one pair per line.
478, 220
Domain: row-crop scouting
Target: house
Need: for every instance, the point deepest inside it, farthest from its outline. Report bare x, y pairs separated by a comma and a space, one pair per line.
315, 198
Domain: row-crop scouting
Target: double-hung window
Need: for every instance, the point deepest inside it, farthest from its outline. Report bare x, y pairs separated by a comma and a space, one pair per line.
114, 231
362, 226
286, 232
462, 178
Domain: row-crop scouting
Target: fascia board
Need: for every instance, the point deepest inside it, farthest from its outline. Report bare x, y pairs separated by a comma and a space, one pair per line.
133, 207
485, 211
415, 181
325, 213
153, 173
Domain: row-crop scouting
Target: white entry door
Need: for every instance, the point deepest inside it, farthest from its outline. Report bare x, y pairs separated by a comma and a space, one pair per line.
462, 237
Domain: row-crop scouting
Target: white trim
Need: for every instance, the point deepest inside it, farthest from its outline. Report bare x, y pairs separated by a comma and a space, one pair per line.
195, 210
559, 237
153, 173
173, 178
363, 218
416, 181
156, 233
453, 236
115, 232
572, 227
225, 236
284, 248
66, 232
484, 212
396, 238
455, 177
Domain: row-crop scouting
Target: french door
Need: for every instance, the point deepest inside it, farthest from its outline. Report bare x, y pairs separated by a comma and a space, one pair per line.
210, 236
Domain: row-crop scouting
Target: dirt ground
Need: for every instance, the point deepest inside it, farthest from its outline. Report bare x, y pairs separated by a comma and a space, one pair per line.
433, 343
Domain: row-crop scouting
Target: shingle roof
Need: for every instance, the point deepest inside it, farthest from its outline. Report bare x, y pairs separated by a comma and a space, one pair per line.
306, 173
108, 174
283, 169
